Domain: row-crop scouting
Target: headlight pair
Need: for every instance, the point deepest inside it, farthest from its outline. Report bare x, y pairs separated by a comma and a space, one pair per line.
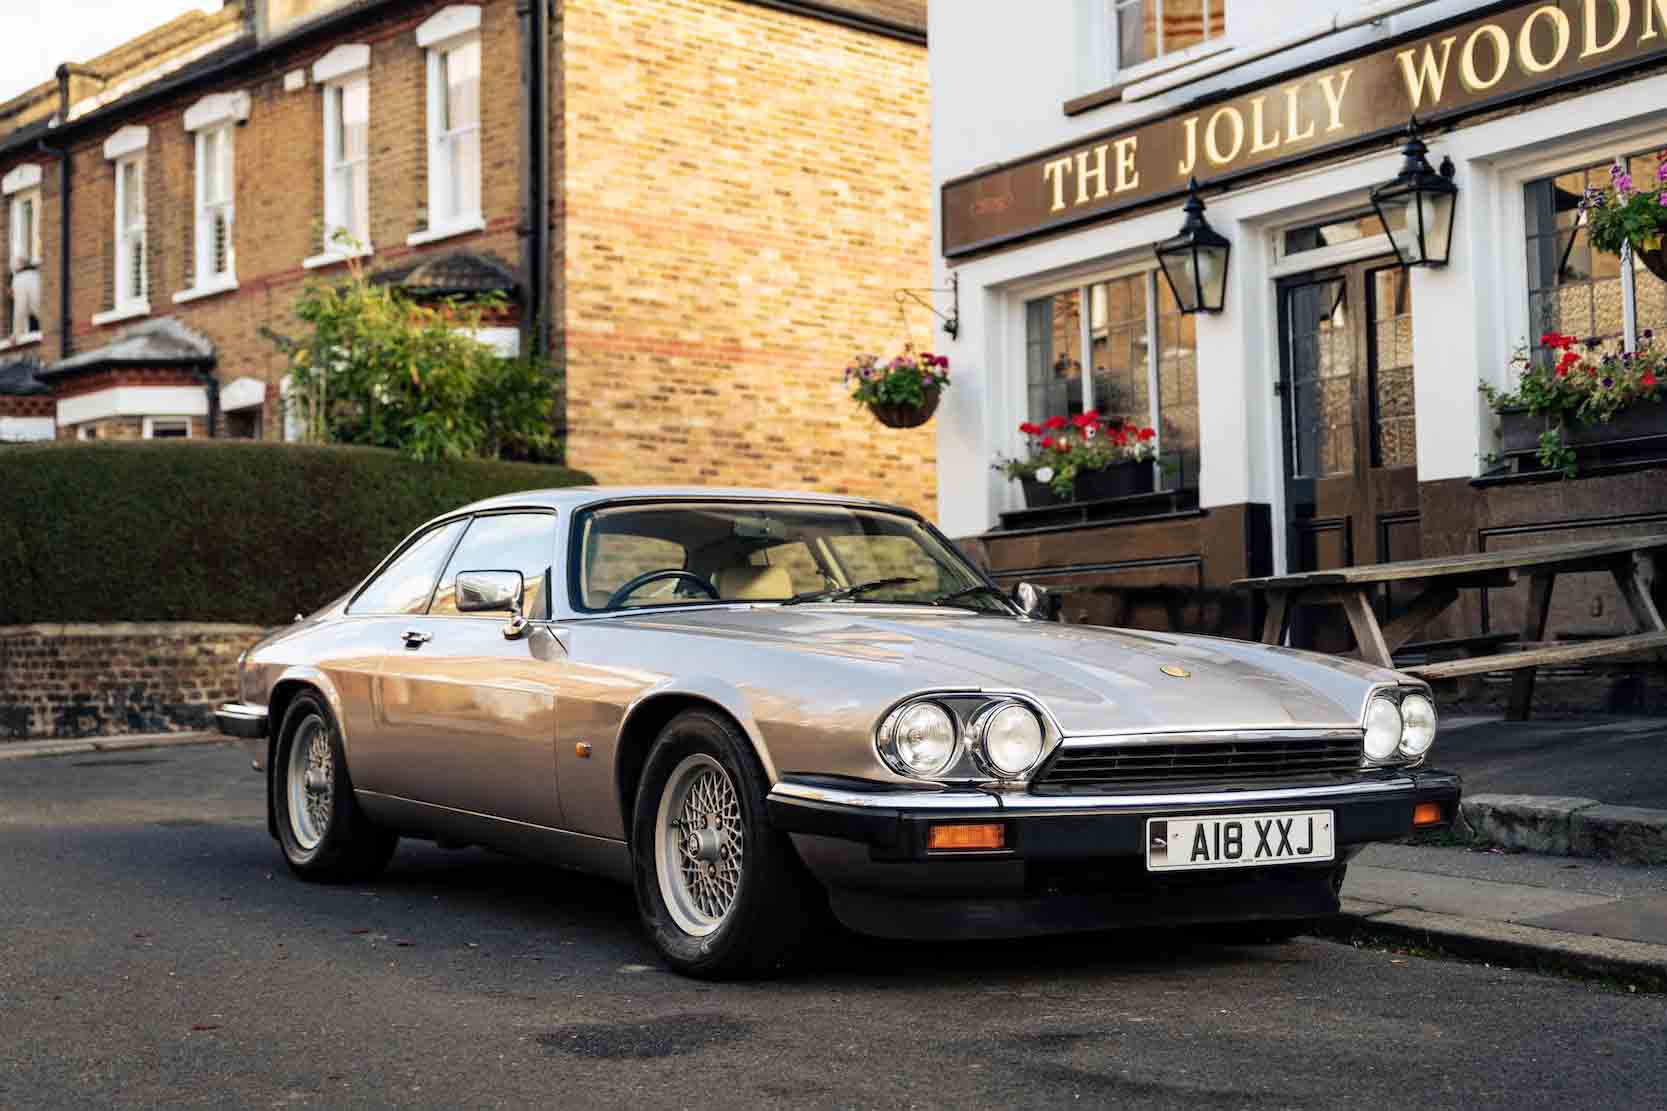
1402, 726
1004, 737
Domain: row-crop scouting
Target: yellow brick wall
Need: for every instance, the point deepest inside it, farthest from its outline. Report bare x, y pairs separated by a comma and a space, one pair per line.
742, 191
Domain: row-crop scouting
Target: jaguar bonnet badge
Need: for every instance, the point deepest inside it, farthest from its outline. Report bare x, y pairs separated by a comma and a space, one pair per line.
1175, 671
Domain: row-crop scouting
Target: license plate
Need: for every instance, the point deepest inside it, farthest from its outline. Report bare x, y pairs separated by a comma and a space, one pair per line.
1238, 840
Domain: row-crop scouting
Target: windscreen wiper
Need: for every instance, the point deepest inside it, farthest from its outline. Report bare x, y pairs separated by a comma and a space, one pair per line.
972, 592
841, 593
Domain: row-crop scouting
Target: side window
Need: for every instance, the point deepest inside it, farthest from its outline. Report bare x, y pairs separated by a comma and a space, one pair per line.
524, 542
405, 584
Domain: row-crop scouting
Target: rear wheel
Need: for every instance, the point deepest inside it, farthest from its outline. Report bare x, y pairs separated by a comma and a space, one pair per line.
324, 834
721, 894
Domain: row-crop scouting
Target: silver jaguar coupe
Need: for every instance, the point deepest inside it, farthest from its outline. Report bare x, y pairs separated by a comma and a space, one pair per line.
769, 711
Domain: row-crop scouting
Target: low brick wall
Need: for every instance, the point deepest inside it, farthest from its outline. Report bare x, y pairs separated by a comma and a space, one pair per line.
106, 680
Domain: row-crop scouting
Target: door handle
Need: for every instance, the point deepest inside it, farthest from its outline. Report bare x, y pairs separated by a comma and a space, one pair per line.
415, 639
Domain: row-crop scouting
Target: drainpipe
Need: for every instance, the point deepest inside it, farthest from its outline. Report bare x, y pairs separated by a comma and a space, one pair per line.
211, 386
66, 340
535, 69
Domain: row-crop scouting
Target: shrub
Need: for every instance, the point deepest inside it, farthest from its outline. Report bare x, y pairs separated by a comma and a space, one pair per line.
215, 530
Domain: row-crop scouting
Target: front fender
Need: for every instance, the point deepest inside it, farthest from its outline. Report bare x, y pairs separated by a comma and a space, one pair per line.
706, 688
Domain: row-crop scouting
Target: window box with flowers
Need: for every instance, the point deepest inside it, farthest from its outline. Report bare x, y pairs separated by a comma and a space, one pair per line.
1588, 398
902, 392
1083, 458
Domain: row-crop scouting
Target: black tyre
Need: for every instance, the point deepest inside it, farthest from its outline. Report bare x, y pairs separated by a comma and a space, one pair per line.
721, 894
326, 838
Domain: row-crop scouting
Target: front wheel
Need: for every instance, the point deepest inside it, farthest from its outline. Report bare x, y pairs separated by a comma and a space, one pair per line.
324, 834
721, 894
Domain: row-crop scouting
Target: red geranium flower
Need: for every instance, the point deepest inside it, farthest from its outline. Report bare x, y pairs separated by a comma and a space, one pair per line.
1086, 420
1648, 379
1146, 434
1047, 441
1030, 429
1054, 423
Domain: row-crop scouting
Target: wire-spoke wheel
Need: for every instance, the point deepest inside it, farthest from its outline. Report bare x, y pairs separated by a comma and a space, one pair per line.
721, 893
700, 844
311, 782
324, 834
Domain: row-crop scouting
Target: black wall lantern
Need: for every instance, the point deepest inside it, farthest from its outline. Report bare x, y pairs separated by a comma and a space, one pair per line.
1417, 207
1195, 261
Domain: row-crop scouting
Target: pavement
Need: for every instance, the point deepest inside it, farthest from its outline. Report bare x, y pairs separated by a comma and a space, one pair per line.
157, 953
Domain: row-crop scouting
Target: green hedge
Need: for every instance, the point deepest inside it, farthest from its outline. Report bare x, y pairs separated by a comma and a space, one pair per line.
215, 530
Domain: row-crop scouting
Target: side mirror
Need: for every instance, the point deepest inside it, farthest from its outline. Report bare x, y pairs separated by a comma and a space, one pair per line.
493, 592
1034, 601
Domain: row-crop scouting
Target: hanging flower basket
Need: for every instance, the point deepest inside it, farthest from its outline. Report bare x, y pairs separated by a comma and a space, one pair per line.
1630, 213
903, 392
903, 415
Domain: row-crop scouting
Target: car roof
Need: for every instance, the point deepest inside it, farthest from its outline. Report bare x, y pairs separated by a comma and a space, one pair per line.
576, 497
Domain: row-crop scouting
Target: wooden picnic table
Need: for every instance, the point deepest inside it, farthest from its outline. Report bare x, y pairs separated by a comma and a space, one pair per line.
1631, 560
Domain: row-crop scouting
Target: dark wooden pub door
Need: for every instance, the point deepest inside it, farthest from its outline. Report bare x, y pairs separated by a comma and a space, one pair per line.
1345, 386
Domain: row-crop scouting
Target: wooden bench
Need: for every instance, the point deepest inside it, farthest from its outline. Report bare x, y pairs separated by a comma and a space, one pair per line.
1541, 657
1632, 560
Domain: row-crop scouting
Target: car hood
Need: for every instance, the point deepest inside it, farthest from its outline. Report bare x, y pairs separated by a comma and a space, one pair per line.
1092, 679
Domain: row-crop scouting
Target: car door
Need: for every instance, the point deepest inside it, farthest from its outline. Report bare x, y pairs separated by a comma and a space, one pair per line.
470, 714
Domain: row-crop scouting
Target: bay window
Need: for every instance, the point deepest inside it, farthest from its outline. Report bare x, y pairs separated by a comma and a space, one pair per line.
452, 41
1122, 348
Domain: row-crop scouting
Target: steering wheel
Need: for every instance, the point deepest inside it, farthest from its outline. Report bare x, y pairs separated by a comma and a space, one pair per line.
647, 577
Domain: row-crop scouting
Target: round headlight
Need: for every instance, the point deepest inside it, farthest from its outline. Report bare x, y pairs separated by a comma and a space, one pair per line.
1010, 740
1383, 729
923, 737
1418, 714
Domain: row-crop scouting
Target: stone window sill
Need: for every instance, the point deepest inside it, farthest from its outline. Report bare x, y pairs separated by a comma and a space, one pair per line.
434, 235
335, 258
197, 293
122, 312
26, 339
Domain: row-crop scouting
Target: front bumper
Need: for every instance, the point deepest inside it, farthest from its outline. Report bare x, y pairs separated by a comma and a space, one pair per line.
1072, 862
240, 719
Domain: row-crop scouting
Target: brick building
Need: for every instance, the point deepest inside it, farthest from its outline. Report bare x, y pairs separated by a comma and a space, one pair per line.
702, 208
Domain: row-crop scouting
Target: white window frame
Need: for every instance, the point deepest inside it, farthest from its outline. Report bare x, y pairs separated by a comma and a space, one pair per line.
1083, 283
1511, 228
124, 149
338, 71
21, 188
1164, 60
148, 426
132, 283
449, 29
211, 118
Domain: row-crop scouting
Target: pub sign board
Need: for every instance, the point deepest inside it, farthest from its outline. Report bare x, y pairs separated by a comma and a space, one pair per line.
1501, 54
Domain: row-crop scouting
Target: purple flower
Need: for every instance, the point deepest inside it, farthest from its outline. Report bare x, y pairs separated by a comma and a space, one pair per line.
1649, 333
1661, 172
1623, 183
1608, 382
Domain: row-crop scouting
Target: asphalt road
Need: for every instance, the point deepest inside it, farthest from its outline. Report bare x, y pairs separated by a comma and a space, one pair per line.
1616, 760
155, 952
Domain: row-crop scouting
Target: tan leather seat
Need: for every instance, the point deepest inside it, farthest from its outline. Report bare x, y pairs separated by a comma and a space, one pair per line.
753, 584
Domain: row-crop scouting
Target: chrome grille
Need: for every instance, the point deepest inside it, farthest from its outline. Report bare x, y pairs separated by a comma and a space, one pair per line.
1135, 763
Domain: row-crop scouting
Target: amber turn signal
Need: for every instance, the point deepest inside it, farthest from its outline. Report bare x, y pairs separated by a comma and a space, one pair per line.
967, 838
1426, 814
